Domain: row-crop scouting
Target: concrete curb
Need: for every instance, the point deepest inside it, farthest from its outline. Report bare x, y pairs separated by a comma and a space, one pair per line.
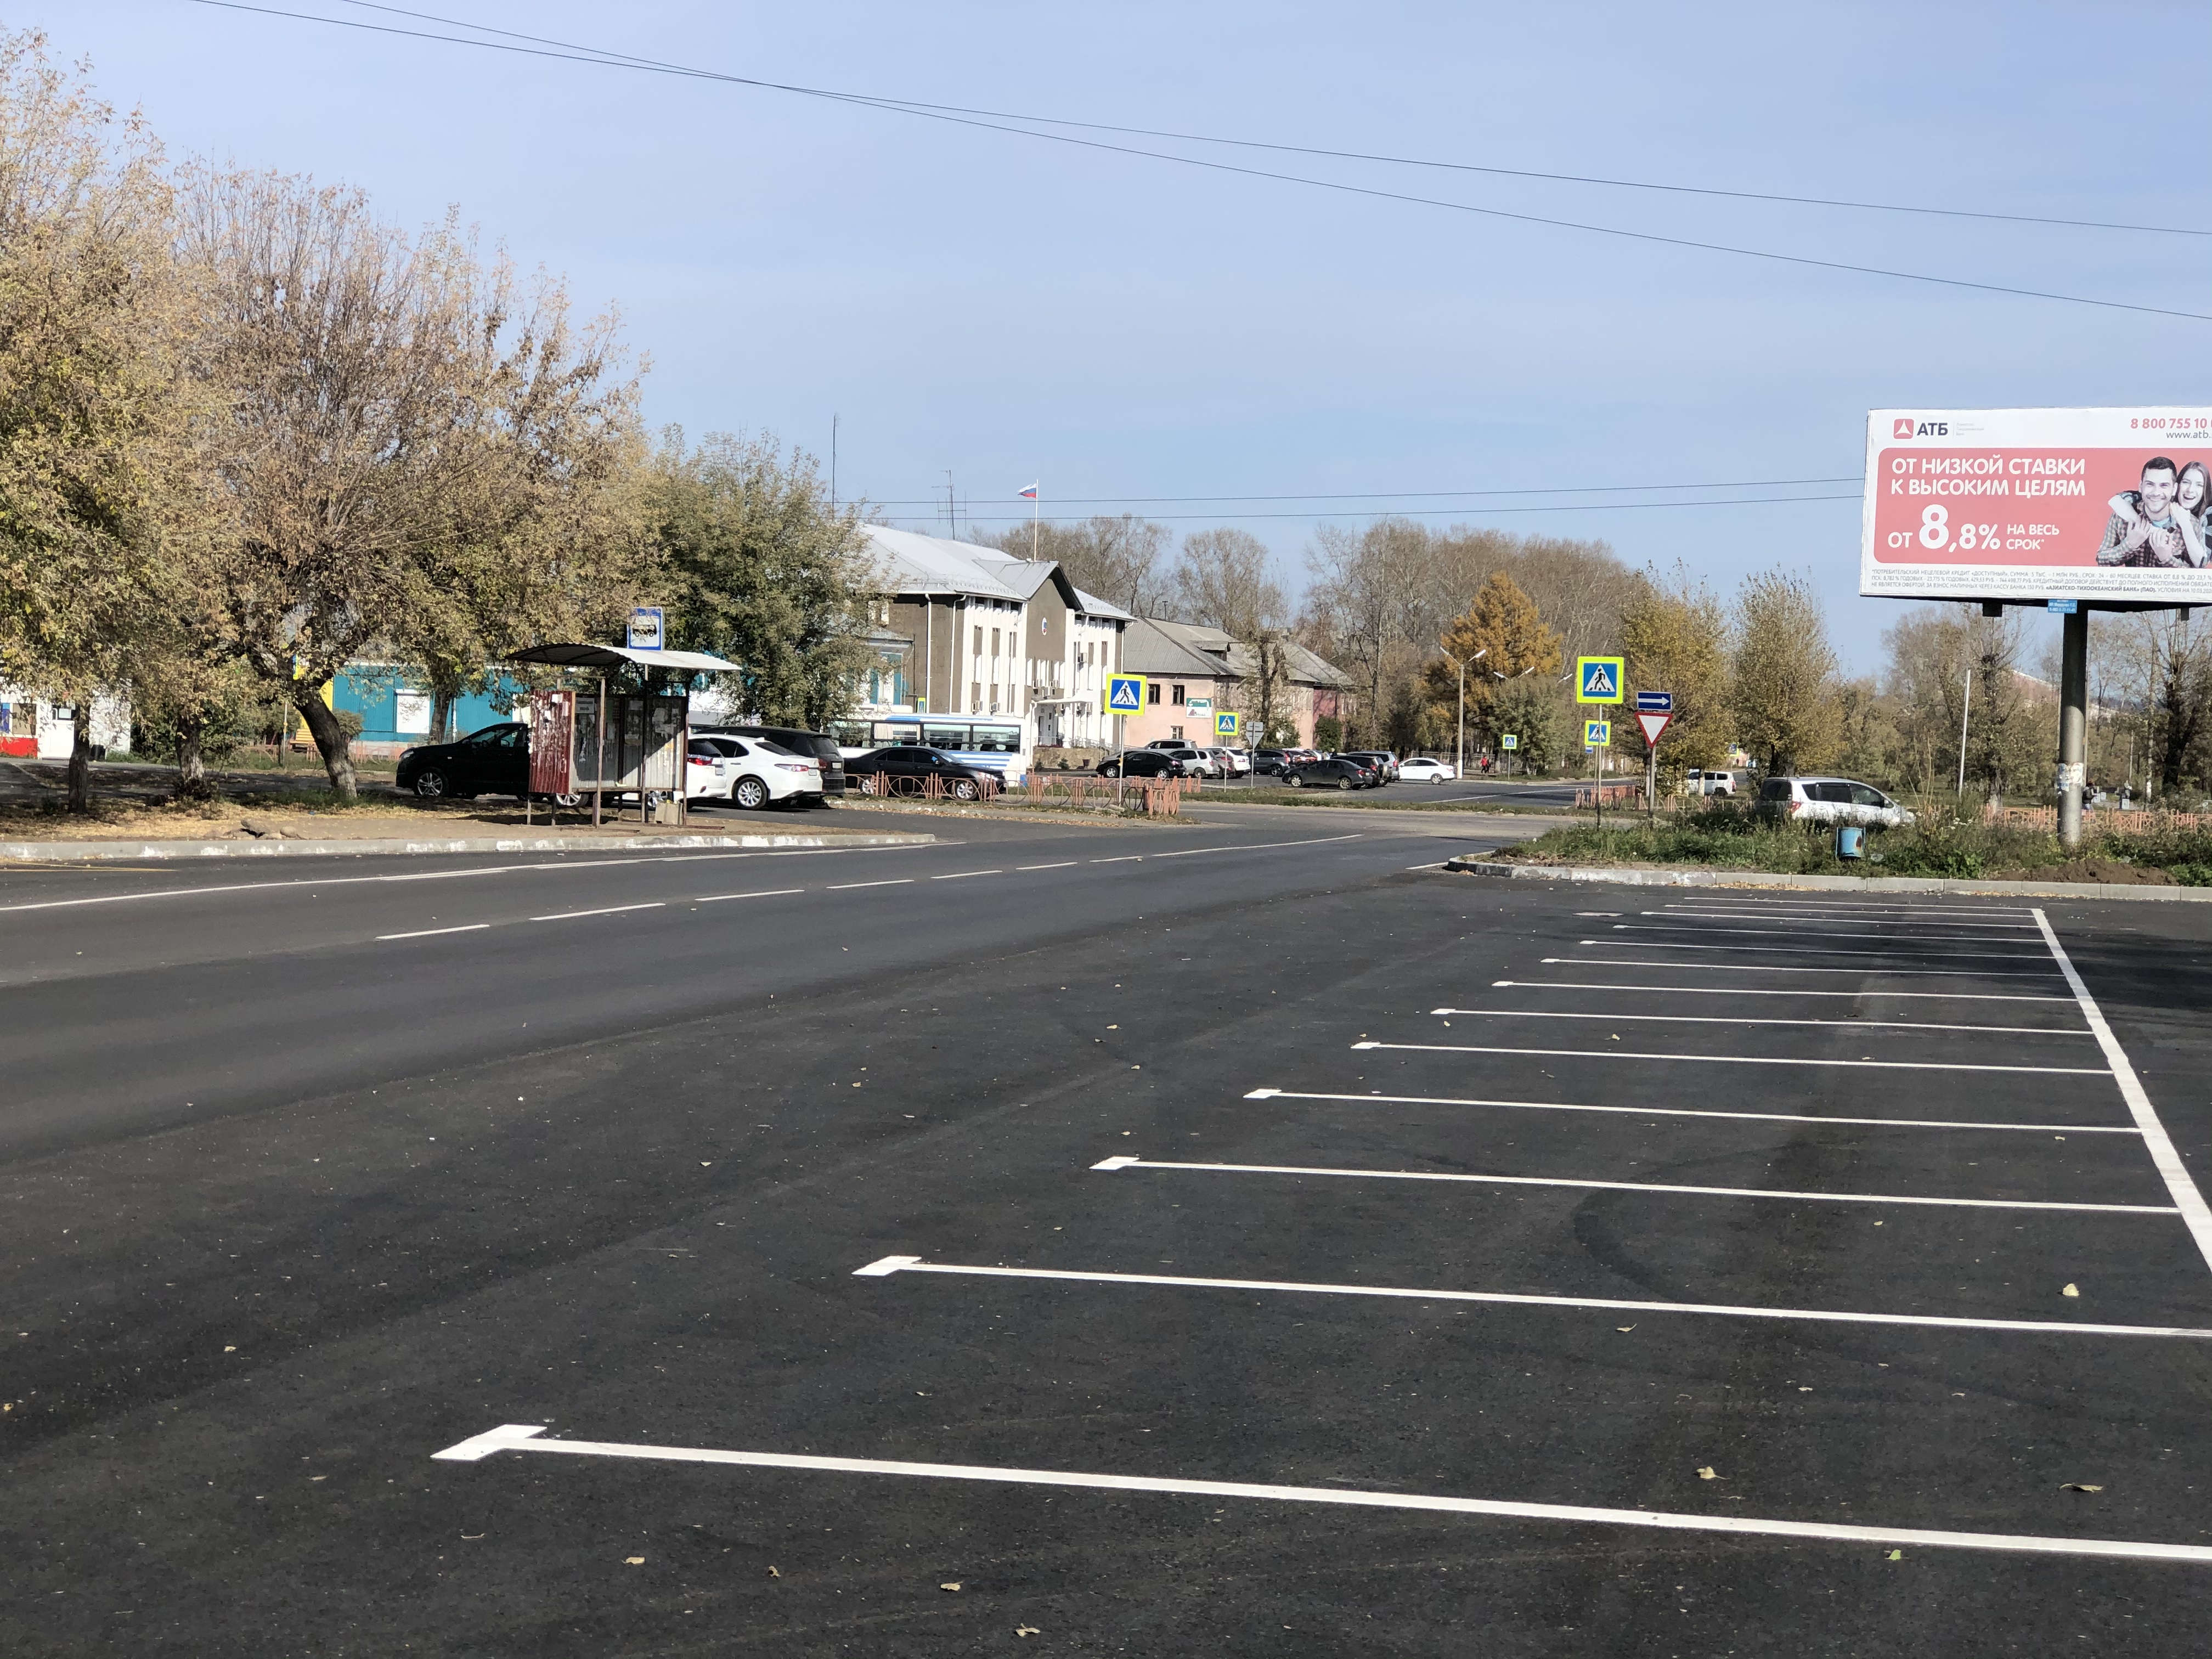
62, 852
2072, 890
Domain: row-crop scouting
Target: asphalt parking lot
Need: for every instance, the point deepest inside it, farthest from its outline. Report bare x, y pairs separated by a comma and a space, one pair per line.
1318, 1255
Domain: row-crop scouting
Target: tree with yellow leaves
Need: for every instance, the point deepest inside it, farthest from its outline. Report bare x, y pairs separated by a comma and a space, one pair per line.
1500, 638
1675, 635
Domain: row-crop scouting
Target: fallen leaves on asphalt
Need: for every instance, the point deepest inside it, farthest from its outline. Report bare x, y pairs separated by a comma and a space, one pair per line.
1707, 1473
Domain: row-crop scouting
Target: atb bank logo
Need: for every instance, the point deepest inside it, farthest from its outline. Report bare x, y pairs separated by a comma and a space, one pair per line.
1907, 427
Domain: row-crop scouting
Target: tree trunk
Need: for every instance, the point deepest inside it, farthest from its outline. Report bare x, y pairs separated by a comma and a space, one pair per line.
191, 764
330, 741
80, 762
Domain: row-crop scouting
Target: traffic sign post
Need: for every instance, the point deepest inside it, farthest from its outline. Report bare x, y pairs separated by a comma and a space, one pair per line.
1654, 713
1125, 695
1597, 737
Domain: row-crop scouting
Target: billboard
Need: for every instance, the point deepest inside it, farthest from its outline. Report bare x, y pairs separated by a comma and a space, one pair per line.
2039, 504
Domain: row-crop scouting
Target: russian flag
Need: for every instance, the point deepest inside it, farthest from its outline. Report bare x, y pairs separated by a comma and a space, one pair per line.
1029, 495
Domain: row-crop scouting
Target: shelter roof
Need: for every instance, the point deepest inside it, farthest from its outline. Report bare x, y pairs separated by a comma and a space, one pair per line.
618, 656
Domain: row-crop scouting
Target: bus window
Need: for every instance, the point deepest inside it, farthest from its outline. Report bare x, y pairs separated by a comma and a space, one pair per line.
999, 739
892, 734
947, 736
851, 734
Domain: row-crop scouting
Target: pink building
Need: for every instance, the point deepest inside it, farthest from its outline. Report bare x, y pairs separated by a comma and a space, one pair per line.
1185, 663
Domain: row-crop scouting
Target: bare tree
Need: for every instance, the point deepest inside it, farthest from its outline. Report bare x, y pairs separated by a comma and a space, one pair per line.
1117, 558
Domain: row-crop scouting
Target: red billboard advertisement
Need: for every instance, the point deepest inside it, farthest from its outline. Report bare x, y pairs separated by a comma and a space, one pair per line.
552, 717
2039, 504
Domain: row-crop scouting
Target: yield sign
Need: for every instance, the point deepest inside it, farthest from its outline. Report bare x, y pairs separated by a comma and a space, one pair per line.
1653, 724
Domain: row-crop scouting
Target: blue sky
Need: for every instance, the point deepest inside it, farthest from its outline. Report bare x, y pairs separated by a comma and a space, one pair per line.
1006, 309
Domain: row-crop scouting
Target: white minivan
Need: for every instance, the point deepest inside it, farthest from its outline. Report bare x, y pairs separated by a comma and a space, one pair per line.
1829, 800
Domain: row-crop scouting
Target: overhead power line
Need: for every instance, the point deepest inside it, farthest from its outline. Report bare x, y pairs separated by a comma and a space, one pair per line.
571, 53
1381, 157
1442, 511
1387, 495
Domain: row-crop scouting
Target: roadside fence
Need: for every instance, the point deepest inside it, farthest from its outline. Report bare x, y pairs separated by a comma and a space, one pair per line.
1610, 794
1162, 796
2102, 817
929, 787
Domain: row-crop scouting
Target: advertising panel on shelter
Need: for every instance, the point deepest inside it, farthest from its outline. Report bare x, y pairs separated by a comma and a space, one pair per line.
2039, 504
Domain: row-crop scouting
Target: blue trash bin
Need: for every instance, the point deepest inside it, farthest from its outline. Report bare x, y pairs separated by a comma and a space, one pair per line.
1850, 841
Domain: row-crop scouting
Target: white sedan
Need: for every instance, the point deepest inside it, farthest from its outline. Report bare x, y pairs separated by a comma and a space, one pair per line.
1419, 769
749, 772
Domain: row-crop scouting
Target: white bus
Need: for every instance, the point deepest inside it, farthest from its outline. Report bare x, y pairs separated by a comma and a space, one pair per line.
1000, 742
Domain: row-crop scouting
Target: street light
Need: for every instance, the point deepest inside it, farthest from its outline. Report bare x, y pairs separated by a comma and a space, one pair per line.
1459, 762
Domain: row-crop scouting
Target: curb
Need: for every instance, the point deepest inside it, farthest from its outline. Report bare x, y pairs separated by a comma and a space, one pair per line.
2072, 890
56, 852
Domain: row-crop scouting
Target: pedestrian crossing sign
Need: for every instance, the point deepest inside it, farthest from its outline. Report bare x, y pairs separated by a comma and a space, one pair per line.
1226, 723
1597, 734
1125, 694
1597, 679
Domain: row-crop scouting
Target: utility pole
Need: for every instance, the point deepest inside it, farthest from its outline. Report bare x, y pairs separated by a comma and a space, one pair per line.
833, 466
2073, 723
1459, 754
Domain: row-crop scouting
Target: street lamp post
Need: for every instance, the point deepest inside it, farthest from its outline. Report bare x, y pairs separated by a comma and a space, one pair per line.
1459, 754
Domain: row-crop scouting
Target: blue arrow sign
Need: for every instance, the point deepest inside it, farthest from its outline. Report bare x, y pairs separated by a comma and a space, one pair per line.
1654, 702
1125, 694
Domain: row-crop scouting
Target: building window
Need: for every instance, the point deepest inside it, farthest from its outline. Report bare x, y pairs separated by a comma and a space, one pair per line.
1151, 691
1175, 731
994, 642
979, 639
976, 695
1178, 700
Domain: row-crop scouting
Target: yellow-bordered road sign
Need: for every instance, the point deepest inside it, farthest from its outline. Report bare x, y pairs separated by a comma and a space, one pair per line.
1226, 723
1597, 734
1597, 679
1125, 694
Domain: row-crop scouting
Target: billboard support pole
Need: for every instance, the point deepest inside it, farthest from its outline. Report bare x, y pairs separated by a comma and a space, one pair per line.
2073, 724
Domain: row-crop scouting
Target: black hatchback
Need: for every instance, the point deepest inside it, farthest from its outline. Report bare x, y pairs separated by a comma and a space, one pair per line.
1142, 764
493, 761
903, 767
1334, 772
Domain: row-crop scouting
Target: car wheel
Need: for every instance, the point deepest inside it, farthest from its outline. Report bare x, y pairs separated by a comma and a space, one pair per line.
1295, 781
431, 784
568, 800
750, 793
965, 789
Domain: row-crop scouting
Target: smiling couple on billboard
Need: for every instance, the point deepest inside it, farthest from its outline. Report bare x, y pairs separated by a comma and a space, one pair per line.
2162, 523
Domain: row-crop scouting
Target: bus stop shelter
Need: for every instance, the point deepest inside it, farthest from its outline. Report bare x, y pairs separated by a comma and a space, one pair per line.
590, 741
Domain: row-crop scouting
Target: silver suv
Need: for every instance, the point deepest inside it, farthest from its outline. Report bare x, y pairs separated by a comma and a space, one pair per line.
1829, 800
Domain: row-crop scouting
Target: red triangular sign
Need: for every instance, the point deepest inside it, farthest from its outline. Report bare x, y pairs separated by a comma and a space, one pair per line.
1653, 724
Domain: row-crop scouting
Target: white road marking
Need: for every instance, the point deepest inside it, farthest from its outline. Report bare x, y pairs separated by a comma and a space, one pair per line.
428, 933
847, 886
1127, 858
632, 861
1687, 1111
2170, 1166
1252, 847
1811, 951
1069, 864
524, 1437
766, 892
908, 1264
962, 875
1738, 1019
1748, 991
1826, 933
1955, 919
1743, 1059
1888, 915
1764, 968
1113, 1164
608, 910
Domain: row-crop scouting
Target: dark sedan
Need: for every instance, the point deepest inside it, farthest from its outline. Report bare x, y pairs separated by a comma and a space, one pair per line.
1142, 764
493, 761
904, 767
1334, 772
1272, 763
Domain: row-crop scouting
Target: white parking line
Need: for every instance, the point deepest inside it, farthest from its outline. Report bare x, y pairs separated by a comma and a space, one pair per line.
847, 886
1740, 1059
766, 892
1826, 933
2162, 1152
1766, 968
1069, 864
1750, 991
1811, 951
523, 1438
1728, 1020
962, 875
608, 910
909, 1264
1114, 1165
1850, 907
1956, 920
429, 932
1688, 1111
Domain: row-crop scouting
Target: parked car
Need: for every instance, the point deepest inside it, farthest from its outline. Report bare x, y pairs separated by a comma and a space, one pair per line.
1382, 759
1419, 769
903, 767
495, 760
1829, 800
750, 772
1334, 772
1712, 783
1193, 760
1142, 764
819, 744
1233, 763
1270, 762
